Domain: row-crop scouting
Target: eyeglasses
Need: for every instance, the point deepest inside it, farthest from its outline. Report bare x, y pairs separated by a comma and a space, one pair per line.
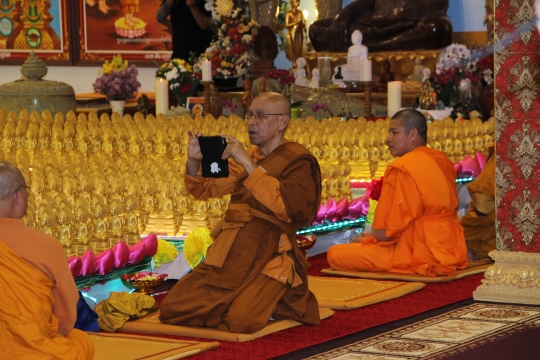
20, 187
259, 115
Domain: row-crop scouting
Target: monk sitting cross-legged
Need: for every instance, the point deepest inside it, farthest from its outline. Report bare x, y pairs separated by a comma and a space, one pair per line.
254, 270
416, 227
38, 305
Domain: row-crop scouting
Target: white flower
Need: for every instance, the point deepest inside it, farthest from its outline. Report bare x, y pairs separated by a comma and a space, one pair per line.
246, 38
465, 85
173, 74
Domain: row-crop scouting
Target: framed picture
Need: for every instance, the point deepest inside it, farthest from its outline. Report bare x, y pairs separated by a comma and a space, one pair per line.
192, 101
125, 27
42, 26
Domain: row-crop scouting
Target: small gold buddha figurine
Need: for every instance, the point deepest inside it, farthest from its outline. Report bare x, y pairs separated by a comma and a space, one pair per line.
487, 138
457, 146
163, 221
64, 231
181, 207
197, 217
344, 184
436, 144
115, 222
448, 148
332, 183
47, 220
81, 242
130, 231
362, 170
374, 153
99, 241
148, 202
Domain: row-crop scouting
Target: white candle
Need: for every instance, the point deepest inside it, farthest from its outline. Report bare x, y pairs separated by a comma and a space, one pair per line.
162, 95
366, 70
206, 70
394, 97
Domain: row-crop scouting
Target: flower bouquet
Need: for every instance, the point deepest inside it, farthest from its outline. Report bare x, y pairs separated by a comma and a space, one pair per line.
182, 77
117, 81
459, 74
232, 53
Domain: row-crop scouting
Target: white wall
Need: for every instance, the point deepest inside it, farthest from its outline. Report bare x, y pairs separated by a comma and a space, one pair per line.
466, 15
79, 77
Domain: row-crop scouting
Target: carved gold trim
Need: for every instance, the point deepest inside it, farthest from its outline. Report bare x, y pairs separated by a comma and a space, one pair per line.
514, 278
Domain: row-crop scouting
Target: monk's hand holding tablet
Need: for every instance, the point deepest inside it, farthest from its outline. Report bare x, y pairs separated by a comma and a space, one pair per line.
235, 149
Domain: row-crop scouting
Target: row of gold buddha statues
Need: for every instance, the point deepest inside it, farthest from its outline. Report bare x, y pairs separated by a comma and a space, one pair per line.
97, 180
362, 144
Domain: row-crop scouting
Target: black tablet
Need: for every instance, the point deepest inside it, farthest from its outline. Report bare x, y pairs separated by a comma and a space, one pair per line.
212, 164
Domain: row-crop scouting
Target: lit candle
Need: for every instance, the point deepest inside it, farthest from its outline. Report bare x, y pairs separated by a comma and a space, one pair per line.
162, 95
366, 70
394, 97
206, 70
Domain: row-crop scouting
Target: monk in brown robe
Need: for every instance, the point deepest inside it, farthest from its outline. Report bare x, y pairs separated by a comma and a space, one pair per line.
254, 270
479, 222
416, 228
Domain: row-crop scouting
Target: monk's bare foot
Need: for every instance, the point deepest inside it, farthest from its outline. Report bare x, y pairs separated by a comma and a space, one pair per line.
103, 7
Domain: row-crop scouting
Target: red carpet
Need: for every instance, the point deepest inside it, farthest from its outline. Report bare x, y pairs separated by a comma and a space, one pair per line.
432, 296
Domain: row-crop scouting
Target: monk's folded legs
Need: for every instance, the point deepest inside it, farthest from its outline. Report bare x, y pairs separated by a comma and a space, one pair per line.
361, 257
249, 312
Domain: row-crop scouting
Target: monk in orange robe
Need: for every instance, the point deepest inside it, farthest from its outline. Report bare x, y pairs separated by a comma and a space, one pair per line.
38, 307
479, 221
254, 270
415, 228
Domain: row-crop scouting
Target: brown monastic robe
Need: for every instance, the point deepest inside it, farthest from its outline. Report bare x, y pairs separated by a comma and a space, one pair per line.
203, 296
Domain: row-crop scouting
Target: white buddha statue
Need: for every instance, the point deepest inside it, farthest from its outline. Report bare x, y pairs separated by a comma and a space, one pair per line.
352, 71
314, 82
300, 72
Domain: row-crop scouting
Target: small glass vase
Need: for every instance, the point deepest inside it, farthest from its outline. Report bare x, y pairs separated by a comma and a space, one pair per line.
118, 106
181, 100
287, 91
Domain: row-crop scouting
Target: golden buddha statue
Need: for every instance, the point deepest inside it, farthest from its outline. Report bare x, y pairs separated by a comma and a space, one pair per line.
99, 241
64, 231
197, 217
131, 232
374, 153
181, 207
448, 149
436, 144
344, 185
487, 137
215, 213
148, 202
457, 146
115, 222
47, 220
362, 168
163, 220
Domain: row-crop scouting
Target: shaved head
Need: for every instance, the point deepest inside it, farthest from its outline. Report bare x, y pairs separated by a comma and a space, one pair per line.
12, 204
10, 179
278, 102
413, 119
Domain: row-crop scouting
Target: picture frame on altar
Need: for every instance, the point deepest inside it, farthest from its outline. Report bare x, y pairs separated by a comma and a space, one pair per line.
40, 26
105, 33
192, 101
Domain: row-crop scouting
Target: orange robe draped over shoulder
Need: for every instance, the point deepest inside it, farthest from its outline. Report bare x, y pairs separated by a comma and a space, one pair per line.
417, 208
28, 327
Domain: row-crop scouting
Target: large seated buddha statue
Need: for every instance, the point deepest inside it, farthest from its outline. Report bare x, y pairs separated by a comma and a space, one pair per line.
387, 25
